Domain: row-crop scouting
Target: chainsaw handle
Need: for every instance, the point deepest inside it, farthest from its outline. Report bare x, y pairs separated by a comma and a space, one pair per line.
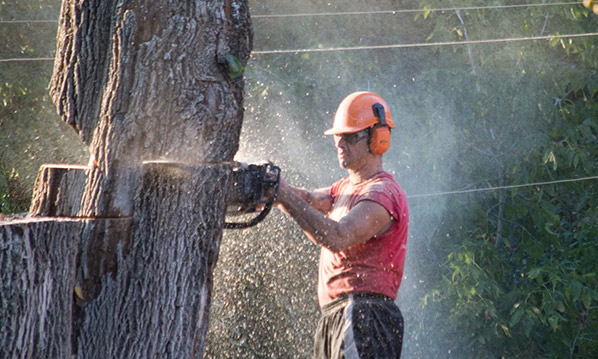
268, 202
257, 219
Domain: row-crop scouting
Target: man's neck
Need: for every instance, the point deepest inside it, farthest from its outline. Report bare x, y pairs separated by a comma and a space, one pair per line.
366, 172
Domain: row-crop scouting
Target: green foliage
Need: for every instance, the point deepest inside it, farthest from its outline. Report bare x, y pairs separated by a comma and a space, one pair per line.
504, 273
30, 132
12, 195
519, 277
5, 177
21, 84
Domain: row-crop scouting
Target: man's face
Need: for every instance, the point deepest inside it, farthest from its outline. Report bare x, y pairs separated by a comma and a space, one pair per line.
351, 148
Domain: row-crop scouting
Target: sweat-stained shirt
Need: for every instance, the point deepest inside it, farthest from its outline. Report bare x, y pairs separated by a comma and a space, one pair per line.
375, 266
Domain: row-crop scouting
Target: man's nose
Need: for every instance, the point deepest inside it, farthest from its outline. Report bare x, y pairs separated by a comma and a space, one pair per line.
339, 142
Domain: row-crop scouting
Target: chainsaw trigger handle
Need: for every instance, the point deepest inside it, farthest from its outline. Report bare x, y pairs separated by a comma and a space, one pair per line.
251, 187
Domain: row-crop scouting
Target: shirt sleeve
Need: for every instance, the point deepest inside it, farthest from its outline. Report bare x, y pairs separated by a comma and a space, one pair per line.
382, 193
334, 189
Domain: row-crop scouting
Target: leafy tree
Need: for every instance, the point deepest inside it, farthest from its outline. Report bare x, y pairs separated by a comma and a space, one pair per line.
30, 132
518, 279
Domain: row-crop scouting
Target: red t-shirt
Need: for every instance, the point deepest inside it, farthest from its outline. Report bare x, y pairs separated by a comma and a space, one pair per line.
375, 266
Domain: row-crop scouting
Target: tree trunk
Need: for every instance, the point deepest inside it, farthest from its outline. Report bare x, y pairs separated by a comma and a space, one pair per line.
40, 261
37, 288
146, 85
156, 303
58, 190
146, 80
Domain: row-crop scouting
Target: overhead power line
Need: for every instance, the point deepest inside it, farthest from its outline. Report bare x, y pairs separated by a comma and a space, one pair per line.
348, 13
378, 47
489, 189
402, 11
426, 44
23, 59
26, 21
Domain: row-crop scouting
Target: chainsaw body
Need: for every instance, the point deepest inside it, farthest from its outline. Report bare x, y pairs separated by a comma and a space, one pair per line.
254, 188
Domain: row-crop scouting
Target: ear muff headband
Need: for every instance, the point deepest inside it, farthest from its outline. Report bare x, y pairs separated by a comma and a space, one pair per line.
380, 132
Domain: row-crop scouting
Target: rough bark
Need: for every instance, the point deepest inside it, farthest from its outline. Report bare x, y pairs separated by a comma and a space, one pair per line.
156, 305
37, 288
139, 81
163, 87
38, 268
58, 190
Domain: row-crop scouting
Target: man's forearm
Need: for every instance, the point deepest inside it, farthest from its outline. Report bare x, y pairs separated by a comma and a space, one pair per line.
319, 229
365, 220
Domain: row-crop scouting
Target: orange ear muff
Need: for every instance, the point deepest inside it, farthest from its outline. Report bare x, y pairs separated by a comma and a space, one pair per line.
380, 132
379, 139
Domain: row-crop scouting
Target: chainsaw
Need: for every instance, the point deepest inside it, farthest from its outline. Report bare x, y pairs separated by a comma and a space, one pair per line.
254, 188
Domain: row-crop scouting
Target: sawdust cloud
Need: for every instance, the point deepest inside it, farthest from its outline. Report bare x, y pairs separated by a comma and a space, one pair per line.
265, 303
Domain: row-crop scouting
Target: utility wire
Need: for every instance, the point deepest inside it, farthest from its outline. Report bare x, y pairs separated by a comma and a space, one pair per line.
27, 21
345, 13
402, 11
22, 59
430, 44
488, 189
448, 43
376, 47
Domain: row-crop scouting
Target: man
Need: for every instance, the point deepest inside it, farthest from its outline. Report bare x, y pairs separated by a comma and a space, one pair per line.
361, 223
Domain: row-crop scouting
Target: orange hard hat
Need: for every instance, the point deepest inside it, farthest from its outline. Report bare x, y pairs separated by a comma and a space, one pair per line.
355, 113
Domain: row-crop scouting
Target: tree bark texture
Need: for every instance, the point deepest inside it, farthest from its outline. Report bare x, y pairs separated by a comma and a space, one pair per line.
44, 265
143, 80
156, 304
140, 81
37, 288
58, 190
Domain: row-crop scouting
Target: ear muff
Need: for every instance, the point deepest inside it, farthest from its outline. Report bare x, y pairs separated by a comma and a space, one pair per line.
379, 139
380, 132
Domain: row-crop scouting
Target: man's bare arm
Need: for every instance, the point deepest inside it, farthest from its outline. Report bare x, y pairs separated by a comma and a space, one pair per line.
318, 199
363, 221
